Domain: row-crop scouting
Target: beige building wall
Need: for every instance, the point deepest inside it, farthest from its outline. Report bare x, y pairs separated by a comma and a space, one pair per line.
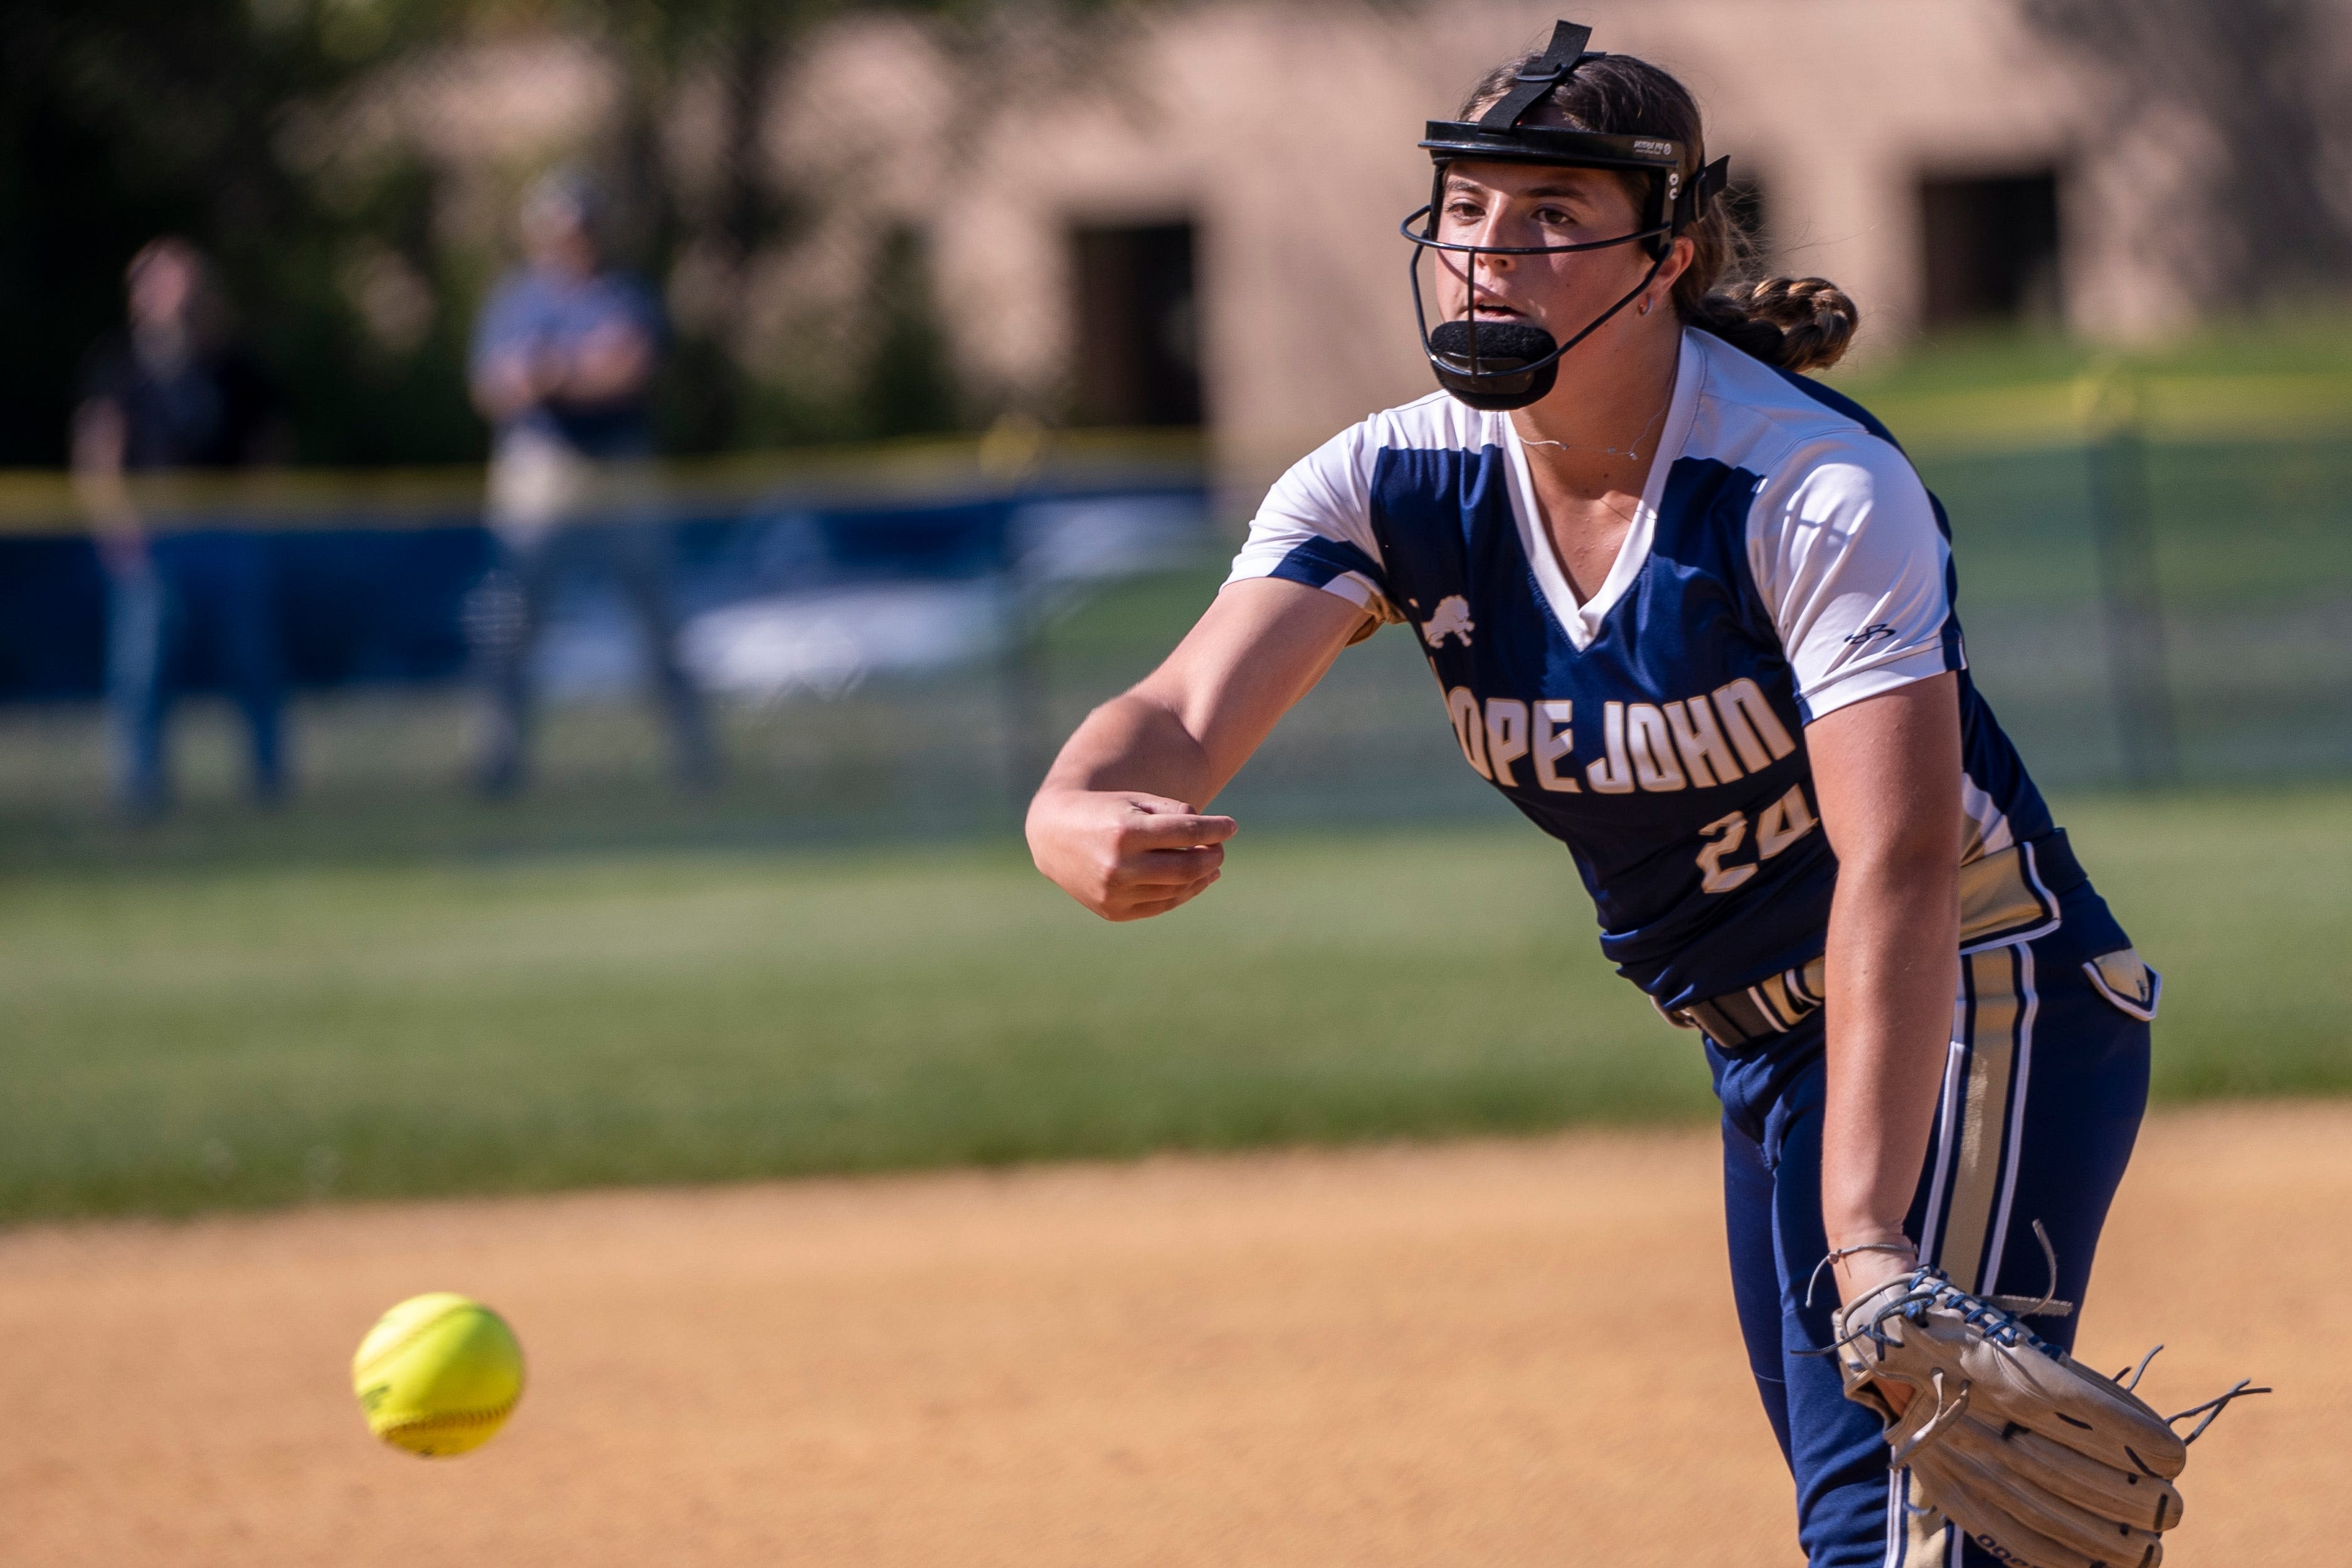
1287, 132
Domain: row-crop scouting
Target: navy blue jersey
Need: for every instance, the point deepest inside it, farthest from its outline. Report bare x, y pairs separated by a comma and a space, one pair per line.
1785, 560
213, 410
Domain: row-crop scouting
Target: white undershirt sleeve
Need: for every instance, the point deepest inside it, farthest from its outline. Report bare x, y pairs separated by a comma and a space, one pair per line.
1845, 549
1315, 526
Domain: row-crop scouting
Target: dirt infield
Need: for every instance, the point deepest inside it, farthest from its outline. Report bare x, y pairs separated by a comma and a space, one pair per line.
1483, 1354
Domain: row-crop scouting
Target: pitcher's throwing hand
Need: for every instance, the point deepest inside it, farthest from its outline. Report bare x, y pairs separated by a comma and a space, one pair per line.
1124, 854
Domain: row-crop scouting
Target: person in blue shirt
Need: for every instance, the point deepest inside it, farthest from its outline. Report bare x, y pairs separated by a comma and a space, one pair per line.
1693, 614
563, 361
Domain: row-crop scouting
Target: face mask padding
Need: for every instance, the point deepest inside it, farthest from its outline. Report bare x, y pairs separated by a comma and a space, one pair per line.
1494, 364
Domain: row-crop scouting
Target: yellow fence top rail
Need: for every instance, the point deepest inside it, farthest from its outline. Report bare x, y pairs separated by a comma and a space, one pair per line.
2039, 415
1009, 457
2252, 408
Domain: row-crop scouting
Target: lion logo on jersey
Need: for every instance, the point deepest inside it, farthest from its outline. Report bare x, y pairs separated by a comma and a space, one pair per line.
1450, 619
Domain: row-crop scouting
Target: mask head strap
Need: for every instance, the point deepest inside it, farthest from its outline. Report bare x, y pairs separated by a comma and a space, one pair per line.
1705, 186
1554, 66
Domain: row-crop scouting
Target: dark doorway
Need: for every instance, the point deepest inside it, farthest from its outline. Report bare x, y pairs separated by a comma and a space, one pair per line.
1992, 247
1139, 336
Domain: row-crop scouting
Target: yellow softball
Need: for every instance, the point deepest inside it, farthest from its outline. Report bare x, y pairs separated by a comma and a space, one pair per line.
438, 1375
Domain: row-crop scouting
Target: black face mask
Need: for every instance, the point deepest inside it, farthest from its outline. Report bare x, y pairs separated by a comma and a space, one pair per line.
1509, 364
1499, 365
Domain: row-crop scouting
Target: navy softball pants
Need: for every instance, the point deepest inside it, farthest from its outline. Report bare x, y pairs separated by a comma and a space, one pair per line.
2041, 1101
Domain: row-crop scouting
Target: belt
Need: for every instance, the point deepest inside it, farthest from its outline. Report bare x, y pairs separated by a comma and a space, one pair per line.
2010, 895
1772, 1007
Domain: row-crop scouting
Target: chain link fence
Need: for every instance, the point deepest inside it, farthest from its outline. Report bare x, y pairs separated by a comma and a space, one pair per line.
2144, 609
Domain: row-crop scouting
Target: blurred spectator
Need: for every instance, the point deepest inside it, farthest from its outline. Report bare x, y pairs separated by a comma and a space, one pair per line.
175, 393
564, 355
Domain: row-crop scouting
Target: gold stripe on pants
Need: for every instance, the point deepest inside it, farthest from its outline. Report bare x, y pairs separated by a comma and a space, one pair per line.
1990, 1050
1976, 1167
1921, 1538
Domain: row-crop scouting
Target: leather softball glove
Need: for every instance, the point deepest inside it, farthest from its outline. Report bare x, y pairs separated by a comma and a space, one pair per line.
2040, 1460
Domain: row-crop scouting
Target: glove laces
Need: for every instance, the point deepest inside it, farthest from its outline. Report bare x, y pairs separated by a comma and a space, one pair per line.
2000, 1319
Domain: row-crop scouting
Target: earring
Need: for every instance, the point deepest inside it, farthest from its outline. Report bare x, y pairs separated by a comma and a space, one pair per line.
1646, 303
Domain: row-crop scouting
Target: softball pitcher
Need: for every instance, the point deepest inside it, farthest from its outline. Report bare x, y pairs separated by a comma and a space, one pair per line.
1693, 614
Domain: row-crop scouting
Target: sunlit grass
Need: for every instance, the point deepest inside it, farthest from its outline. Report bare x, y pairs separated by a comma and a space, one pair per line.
245, 1036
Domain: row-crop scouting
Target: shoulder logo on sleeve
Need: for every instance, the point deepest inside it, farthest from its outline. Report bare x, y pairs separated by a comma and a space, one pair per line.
1450, 619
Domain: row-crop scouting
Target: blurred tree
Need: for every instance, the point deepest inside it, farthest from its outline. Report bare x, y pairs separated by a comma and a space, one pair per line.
744, 46
909, 382
123, 119
905, 382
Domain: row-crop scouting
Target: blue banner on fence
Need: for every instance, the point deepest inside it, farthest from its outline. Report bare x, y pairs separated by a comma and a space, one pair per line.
371, 603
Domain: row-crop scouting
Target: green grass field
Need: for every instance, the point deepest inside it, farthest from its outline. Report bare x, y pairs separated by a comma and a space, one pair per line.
235, 1036
389, 988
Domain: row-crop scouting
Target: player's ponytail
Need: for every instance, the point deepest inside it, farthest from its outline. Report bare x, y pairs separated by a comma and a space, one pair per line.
1796, 324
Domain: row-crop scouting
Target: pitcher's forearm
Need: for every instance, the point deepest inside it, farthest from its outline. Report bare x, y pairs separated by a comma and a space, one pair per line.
1120, 823
1887, 771
1893, 968
1131, 742
1188, 727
